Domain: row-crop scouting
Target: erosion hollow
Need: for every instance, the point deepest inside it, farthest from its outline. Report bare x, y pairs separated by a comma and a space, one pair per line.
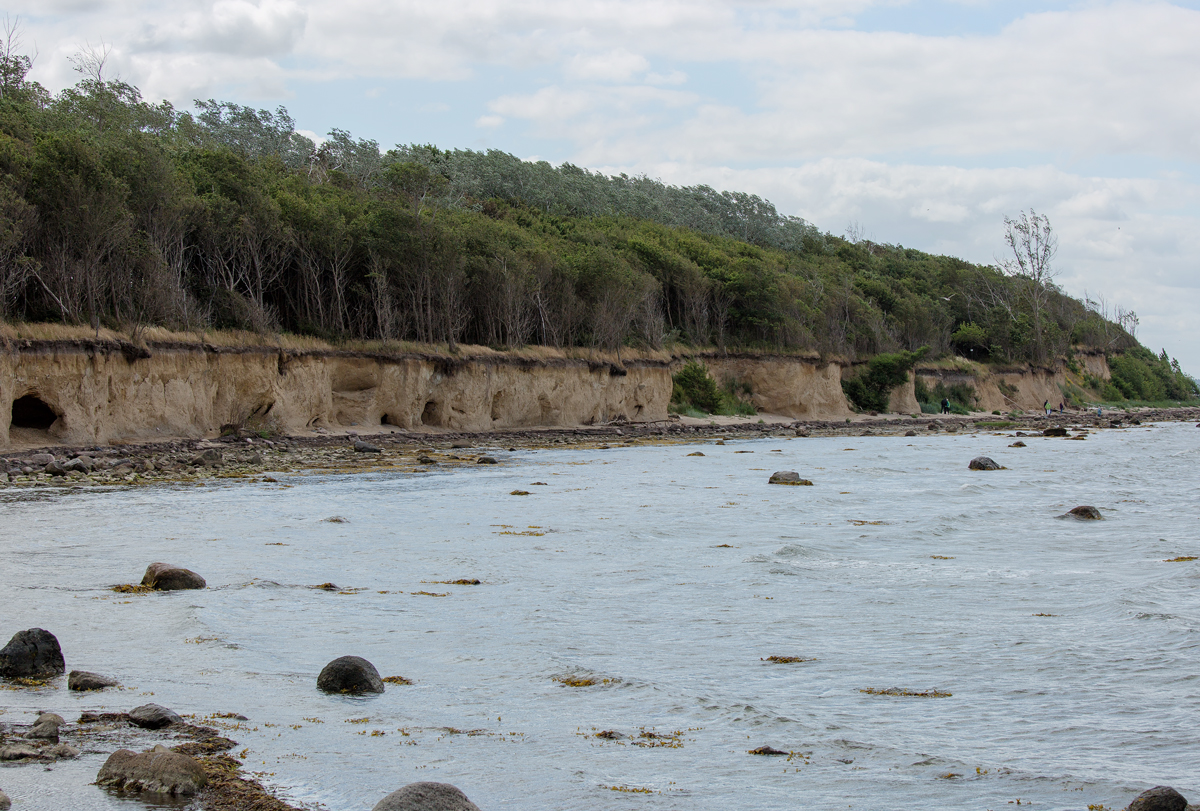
31, 411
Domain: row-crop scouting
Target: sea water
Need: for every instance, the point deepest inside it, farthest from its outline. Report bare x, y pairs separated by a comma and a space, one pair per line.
1060, 659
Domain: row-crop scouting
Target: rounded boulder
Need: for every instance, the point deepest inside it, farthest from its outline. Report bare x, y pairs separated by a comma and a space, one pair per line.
31, 654
1084, 513
165, 577
788, 477
81, 680
153, 716
159, 770
426, 796
350, 674
984, 463
1159, 798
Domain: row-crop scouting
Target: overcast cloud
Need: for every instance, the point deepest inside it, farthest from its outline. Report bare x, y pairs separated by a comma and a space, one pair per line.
923, 122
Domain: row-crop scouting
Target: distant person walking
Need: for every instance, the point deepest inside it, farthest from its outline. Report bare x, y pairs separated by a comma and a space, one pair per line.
945, 405
1046, 406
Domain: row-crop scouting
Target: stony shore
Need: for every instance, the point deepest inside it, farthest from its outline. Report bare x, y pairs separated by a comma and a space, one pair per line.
254, 458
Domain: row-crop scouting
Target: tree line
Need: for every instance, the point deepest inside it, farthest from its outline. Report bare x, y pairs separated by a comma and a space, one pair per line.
120, 212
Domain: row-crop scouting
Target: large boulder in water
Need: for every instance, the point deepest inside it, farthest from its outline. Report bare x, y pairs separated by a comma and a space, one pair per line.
350, 674
165, 577
153, 716
426, 796
788, 477
31, 654
160, 770
1159, 798
5, 803
984, 463
1084, 513
1055, 431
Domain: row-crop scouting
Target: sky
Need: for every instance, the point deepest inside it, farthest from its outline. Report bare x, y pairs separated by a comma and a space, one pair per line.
920, 123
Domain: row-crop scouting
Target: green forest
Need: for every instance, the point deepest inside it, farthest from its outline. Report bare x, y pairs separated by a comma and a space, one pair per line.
118, 212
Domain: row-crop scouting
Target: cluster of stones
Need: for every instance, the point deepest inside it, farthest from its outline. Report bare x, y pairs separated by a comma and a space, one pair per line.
36, 654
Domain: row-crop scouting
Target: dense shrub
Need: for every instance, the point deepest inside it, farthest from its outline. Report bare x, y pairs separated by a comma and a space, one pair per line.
869, 389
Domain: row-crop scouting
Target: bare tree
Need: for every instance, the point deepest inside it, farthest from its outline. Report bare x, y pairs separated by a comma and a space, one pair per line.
13, 65
1034, 244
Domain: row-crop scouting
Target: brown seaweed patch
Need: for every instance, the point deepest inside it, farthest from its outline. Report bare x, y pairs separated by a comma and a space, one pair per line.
130, 588
325, 587
432, 593
397, 680
786, 660
897, 691
519, 493
942, 557
464, 581
766, 750
1183, 559
629, 789
228, 790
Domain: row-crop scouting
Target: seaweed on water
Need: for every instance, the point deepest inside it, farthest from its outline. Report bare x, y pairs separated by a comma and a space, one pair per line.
1183, 559
786, 660
397, 680
130, 588
897, 691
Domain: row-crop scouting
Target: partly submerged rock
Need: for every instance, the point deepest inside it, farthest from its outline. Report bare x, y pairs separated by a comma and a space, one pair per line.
5, 803
426, 796
85, 680
1084, 513
1017, 444
159, 770
165, 577
695, 453
153, 716
350, 674
482, 460
46, 727
366, 447
984, 463
1159, 798
767, 750
788, 477
1055, 430
31, 654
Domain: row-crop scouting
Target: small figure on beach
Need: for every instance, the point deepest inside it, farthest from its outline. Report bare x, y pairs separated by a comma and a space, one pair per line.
1062, 406
1046, 407
945, 405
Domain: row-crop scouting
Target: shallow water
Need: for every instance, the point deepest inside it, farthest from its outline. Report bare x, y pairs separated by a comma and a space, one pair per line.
899, 568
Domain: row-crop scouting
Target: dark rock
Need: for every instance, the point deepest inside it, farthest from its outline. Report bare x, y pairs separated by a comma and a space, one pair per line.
1017, 444
365, 447
160, 770
788, 477
1159, 798
1055, 431
5, 803
426, 797
41, 459
1084, 513
85, 680
153, 716
482, 460
426, 460
46, 727
910, 432
933, 426
62, 751
19, 751
696, 453
767, 750
83, 464
31, 654
983, 463
208, 458
165, 577
350, 674
54, 469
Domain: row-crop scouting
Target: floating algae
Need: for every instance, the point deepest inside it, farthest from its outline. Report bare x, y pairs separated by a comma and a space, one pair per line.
896, 691
396, 680
786, 660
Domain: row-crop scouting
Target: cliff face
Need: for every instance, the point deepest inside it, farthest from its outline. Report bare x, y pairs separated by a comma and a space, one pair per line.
97, 392
1021, 388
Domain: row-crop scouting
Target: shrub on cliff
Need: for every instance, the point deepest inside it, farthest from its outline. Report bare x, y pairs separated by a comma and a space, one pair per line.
869, 389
